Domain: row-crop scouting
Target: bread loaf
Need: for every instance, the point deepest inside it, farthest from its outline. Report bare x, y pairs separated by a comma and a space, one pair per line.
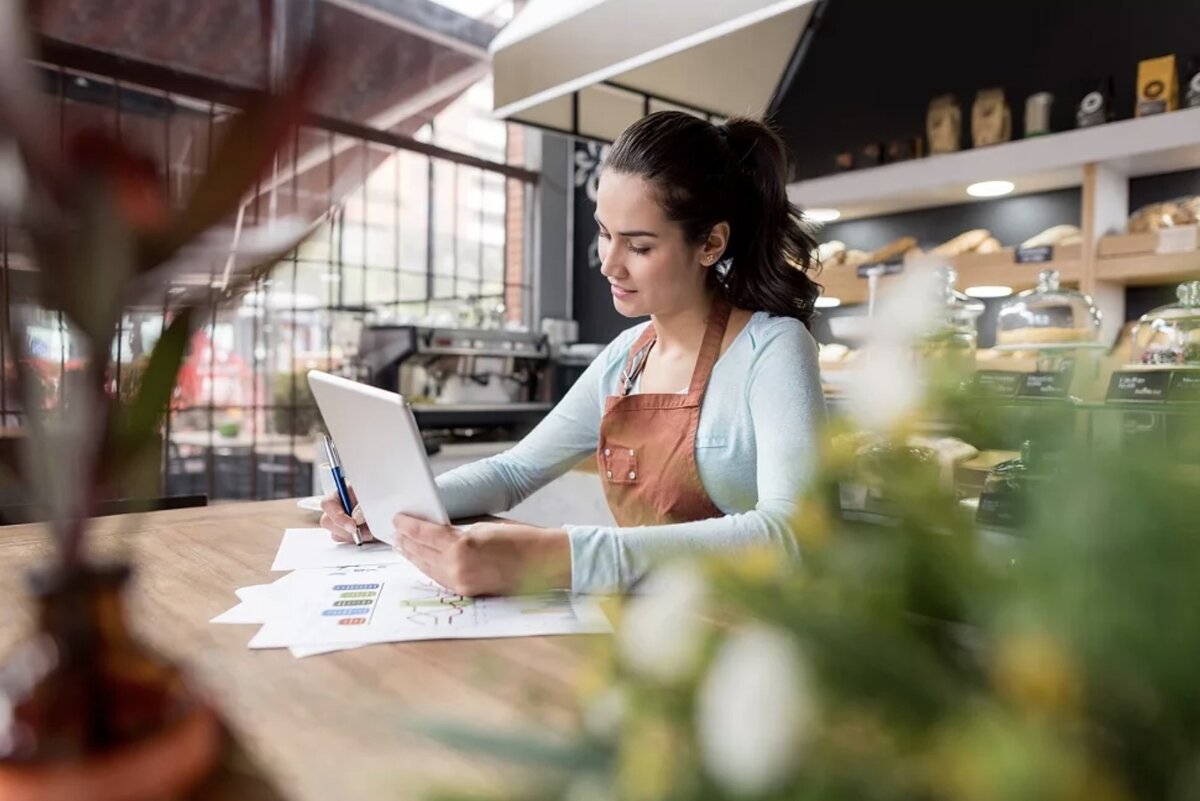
963, 243
1055, 235
1157, 216
831, 253
893, 250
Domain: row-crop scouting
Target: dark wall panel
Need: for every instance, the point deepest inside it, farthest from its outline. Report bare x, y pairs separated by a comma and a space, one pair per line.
874, 65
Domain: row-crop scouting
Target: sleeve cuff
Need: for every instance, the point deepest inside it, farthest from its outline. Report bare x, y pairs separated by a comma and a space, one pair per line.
595, 560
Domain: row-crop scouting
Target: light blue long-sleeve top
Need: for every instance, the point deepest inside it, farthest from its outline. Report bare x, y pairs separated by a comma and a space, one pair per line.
756, 448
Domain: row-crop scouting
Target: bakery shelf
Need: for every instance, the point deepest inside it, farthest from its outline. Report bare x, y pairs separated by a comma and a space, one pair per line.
1149, 269
1144, 146
844, 284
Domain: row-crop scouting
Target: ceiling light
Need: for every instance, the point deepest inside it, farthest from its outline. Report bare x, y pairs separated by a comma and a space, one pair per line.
822, 215
989, 291
826, 302
990, 188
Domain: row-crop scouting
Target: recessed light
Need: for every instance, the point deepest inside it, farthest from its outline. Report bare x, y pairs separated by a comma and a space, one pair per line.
827, 302
990, 188
989, 291
822, 215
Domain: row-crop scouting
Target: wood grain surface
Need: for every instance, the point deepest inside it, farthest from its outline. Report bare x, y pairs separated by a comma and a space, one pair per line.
327, 727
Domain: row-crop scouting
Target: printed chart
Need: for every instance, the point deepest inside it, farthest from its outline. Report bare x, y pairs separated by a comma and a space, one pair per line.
391, 603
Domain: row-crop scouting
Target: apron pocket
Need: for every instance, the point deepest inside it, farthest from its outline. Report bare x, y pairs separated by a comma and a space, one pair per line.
620, 464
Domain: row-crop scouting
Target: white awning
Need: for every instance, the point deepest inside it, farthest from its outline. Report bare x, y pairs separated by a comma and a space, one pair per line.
592, 67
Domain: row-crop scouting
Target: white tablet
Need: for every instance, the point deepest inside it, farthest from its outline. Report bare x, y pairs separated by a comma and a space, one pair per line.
382, 454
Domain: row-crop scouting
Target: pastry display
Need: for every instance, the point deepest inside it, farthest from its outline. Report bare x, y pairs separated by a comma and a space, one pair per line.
1156, 216
1169, 336
1048, 315
943, 124
1055, 236
991, 118
1043, 335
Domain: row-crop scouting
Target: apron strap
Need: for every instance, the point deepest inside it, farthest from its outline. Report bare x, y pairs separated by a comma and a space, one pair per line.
710, 351
710, 348
636, 361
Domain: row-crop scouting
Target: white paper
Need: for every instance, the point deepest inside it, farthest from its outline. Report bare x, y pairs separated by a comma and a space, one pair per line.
301, 651
256, 603
305, 548
394, 603
242, 613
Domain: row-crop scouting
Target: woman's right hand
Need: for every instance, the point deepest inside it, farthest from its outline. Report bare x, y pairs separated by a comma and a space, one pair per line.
341, 525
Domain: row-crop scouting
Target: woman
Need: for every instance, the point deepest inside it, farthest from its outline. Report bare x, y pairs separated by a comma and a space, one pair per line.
704, 421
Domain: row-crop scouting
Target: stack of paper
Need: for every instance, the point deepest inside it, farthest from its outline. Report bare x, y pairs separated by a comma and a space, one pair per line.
342, 596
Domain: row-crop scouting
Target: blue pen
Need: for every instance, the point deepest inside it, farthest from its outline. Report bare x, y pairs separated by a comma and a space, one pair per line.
339, 481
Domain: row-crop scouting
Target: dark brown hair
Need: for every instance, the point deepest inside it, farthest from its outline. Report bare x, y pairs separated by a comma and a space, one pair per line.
735, 172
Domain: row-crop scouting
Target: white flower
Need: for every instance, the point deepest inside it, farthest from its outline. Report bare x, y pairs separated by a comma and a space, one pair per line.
589, 787
754, 709
887, 383
661, 634
603, 715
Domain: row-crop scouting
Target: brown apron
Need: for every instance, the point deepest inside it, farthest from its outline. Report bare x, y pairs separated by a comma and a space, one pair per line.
647, 450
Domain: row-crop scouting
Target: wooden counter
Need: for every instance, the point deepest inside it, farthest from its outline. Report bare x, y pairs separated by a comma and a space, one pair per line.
326, 727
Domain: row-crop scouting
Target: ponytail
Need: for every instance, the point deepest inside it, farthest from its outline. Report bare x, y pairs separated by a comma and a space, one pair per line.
735, 172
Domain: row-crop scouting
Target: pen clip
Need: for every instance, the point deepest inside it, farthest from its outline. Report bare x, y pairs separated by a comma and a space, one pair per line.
331, 453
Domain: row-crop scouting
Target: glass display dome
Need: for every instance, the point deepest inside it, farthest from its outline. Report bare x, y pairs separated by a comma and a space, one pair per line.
953, 332
1169, 336
1048, 316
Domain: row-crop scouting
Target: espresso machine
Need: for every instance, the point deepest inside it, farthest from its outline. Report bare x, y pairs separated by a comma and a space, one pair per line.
461, 381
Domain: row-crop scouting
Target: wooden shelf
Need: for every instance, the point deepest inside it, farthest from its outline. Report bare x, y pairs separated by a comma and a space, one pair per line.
844, 284
1144, 146
1149, 269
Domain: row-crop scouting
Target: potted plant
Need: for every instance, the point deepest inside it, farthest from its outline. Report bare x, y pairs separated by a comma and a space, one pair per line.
88, 710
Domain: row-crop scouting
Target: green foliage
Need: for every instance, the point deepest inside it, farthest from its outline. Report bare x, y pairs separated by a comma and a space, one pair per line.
1057, 661
295, 409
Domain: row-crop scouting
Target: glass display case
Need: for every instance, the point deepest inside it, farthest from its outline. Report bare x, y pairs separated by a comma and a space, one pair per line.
1169, 336
952, 335
1049, 316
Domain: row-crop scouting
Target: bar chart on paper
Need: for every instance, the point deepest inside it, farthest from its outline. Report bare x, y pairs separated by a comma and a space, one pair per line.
392, 603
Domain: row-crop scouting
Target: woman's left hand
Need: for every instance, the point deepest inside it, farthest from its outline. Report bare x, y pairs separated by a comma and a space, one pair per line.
487, 558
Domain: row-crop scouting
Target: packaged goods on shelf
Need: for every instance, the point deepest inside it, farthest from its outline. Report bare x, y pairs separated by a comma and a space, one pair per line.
1157, 86
991, 118
943, 125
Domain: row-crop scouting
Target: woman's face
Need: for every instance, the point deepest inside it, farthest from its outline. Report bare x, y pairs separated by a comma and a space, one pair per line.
651, 268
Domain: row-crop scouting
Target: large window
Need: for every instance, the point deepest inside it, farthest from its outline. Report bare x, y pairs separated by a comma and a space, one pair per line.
408, 237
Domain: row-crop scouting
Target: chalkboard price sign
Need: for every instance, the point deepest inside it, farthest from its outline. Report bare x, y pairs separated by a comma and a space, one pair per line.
1045, 385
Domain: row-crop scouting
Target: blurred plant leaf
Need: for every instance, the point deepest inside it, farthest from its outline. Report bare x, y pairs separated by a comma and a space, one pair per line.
136, 426
22, 114
527, 749
83, 273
